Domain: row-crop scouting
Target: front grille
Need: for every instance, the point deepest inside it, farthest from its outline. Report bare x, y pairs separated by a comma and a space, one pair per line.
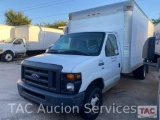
41, 76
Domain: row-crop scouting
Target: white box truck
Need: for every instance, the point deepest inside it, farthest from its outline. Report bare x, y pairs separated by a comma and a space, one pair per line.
28, 39
157, 43
6, 32
102, 43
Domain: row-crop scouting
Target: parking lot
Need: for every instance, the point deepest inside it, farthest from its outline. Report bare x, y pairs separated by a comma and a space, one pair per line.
129, 92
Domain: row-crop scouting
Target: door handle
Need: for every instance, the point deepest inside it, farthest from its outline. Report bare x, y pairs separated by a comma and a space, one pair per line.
119, 65
101, 63
24, 46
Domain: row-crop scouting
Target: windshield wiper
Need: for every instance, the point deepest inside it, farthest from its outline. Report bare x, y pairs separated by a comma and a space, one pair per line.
74, 52
53, 51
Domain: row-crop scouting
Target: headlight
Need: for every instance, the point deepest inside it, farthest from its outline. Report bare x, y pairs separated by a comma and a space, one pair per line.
70, 83
70, 86
1, 50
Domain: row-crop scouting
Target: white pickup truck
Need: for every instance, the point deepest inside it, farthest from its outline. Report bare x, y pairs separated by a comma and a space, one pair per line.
29, 39
102, 43
11, 48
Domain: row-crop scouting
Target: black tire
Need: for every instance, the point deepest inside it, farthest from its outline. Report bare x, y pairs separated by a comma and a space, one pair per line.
92, 94
7, 56
140, 73
155, 58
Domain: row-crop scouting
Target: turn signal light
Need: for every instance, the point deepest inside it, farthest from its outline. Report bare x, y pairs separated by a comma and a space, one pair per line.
78, 76
72, 77
129, 7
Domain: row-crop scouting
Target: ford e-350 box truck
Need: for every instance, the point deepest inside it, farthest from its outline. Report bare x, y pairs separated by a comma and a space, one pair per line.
102, 43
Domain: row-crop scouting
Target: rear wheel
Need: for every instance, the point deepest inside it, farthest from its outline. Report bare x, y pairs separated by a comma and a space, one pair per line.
140, 73
7, 56
155, 58
92, 103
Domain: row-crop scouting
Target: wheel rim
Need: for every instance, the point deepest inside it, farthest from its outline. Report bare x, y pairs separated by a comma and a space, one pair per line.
94, 102
8, 57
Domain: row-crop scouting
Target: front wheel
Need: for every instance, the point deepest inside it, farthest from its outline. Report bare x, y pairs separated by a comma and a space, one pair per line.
92, 103
7, 56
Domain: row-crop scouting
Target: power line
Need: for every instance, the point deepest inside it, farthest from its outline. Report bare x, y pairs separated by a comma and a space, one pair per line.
38, 5
34, 5
41, 6
47, 5
50, 15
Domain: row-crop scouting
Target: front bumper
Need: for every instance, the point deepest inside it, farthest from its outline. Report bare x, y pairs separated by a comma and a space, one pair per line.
49, 98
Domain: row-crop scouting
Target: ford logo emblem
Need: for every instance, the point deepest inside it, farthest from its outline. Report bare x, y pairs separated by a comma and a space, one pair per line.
35, 76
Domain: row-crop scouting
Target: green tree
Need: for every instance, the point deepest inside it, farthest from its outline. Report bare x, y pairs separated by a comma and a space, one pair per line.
156, 21
16, 18
55, 24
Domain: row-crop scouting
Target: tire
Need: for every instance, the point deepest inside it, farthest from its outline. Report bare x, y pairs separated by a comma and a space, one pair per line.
140, 73
93, 97
7, 56
156, 58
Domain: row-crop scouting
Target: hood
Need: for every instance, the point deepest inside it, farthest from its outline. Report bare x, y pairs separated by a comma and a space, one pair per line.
4, 45
68, 62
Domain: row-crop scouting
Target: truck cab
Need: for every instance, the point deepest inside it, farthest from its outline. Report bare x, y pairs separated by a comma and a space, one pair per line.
11, 48
73, 67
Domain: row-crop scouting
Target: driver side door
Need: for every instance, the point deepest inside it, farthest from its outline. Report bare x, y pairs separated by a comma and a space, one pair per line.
112, 60
19, 46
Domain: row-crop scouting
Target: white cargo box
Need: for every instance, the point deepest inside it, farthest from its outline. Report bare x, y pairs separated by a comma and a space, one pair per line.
6, 32
157, 35
37, 38
126, 19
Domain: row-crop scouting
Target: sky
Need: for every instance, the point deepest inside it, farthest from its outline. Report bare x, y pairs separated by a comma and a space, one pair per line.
49, 11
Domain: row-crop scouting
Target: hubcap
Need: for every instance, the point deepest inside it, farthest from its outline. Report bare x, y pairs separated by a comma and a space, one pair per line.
8, 57
94, 102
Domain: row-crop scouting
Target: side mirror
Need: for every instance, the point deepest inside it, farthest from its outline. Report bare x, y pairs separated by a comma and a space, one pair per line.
49, 48
149, 49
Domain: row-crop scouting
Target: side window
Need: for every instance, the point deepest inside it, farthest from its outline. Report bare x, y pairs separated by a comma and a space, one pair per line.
111, 48
19, 41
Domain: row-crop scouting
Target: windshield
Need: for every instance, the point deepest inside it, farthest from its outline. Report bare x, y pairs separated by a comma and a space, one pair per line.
89, 43
10, 40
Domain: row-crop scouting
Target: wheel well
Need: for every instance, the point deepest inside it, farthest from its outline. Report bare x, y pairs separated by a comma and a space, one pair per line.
98, 82
9, 51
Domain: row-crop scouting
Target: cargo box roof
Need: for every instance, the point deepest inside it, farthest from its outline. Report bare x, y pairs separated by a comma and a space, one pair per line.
104, 10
